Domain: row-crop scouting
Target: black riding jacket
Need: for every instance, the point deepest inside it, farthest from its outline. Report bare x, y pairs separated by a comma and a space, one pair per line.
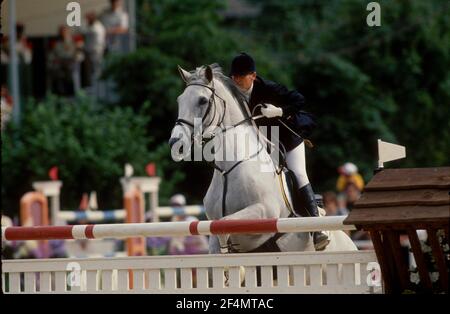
292, 103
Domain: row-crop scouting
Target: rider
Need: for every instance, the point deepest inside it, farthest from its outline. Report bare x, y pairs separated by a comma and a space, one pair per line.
280, 104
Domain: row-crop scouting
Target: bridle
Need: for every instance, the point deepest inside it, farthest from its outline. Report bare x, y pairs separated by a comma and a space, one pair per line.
223, 129
211, 104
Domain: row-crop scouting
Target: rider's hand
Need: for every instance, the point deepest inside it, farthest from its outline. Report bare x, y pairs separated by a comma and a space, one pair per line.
270, 111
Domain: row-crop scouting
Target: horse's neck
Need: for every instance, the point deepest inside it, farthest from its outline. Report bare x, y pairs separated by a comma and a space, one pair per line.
233, 111
240, 142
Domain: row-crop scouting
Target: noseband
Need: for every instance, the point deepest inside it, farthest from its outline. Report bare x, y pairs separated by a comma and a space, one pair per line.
211, 103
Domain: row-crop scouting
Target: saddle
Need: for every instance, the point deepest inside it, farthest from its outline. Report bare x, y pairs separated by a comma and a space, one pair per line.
290, 185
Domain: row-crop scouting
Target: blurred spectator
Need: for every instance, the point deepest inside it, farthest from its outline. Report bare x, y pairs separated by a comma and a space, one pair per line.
58, 249
26, 249
348, 173
345, 201
25, 56
94, 47
4, 57
330, 203
197, 244
352, 193
342, 204
177, 200
158, 245
335, 205
166, 245
23, 47
115, 20
64, 60
350, 182
6, 107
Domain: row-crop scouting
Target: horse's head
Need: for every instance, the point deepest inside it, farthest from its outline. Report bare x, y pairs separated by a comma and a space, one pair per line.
196, 109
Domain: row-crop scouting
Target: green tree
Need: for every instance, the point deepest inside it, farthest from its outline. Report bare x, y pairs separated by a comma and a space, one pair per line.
89, 144
364, 83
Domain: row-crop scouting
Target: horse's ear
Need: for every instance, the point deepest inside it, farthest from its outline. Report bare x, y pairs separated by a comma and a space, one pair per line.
185, 75
208, 74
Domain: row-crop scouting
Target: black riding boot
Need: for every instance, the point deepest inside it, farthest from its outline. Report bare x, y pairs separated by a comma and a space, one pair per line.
309, 208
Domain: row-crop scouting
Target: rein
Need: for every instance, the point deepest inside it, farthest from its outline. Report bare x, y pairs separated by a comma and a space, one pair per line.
211, 103
223, 129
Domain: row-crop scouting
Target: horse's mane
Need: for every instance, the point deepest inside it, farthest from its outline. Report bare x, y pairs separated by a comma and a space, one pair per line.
199, 75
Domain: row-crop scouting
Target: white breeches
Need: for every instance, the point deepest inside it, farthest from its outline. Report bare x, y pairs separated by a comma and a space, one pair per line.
295, 160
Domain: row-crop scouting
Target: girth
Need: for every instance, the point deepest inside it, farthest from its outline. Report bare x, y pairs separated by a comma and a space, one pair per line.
270, 245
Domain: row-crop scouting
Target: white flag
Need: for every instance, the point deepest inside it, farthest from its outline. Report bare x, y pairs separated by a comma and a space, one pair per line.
388, 152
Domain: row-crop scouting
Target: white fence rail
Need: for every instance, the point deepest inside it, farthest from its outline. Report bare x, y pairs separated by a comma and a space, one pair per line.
293, 272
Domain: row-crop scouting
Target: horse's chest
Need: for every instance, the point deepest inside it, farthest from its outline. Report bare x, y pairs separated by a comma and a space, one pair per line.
239, 190
231, 198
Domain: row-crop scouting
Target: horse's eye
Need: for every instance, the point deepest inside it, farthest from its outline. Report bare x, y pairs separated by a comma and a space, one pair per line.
202, 101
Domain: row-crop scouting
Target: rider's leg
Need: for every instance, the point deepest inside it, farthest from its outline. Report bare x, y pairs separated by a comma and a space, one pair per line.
295, 160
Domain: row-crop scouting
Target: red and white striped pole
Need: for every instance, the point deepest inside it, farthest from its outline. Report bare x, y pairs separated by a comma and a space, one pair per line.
183, 228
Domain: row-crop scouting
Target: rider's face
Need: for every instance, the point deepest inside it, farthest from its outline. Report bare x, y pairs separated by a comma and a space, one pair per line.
244, 81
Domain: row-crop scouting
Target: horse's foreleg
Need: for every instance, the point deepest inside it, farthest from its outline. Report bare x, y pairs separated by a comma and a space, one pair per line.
214, 245
218, 244
254, 211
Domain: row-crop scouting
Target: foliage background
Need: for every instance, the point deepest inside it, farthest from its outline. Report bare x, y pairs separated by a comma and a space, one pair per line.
390, 82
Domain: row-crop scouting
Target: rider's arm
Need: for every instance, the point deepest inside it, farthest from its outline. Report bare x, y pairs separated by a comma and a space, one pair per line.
290, 101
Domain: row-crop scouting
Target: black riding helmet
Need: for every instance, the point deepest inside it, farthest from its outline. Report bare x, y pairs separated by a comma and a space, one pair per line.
242, 64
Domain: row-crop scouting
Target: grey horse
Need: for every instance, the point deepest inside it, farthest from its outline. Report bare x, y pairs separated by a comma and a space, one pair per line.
245, 186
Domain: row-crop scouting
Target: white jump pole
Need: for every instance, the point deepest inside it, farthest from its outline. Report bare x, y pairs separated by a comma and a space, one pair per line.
183, 228
52, 189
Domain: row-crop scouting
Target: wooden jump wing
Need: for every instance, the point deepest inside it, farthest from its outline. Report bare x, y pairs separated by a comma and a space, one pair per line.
402, 201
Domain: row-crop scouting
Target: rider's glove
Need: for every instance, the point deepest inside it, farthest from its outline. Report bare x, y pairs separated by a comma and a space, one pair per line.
270, 111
